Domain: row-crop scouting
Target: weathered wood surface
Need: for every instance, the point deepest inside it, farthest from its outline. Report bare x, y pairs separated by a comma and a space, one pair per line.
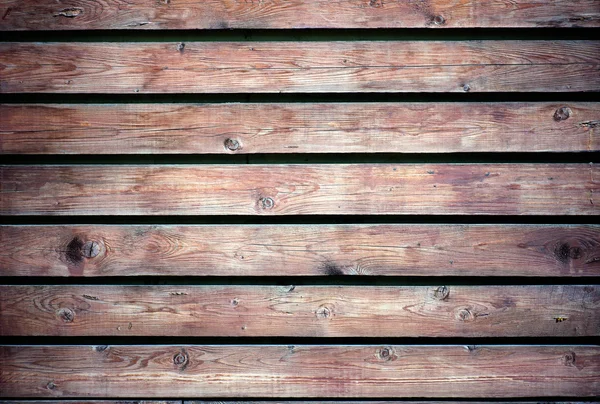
253, 14
301, 311
299, 128
300, 250
299, 371
442, 189
276, 67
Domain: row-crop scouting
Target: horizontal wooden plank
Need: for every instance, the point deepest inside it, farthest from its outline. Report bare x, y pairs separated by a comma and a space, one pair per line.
276, 67
442, 189
301, 311
299, 371
300, 250
298, 128
252, 14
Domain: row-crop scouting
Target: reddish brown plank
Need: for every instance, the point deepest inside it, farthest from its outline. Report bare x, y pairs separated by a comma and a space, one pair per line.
276, 67
249, 14
300, 250
301, 311
298, 128
442, 189
299, 371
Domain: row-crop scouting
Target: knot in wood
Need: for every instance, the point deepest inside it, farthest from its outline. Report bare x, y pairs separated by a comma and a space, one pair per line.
51, 385
323, 312
181, 47
181, 359
90, 249
465, 315
267, 203
439, 20
386, 354
562, 114
65, 314
569, 359
441, 292
232, 144
235, 302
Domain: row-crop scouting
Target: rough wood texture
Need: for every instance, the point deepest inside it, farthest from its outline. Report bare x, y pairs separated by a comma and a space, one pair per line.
301, 311
442, 189
299, 371
300, 250
252, 14
299, 128
275, 67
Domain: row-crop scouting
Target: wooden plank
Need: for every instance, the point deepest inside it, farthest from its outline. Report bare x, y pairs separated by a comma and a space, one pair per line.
253, 14
276, 67
442, 189
298, 128
300, 250
301, 311
299, 371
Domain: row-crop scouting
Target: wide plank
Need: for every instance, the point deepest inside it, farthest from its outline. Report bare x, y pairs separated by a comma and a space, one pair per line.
301, 311
298, 128
270, 14
277, 67
301, 250
409, 189
355, 371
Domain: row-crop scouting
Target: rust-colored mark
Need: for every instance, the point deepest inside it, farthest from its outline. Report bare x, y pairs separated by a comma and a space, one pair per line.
65, 314
441, 292
323, 312
232, 144
562, 114
70, 12
267, 203
386, 354
181, 359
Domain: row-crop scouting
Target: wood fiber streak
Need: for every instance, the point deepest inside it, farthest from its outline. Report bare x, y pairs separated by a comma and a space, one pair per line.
277, 67
299, 371
300, 311
412, 189
301, 250
270, 14
297, 128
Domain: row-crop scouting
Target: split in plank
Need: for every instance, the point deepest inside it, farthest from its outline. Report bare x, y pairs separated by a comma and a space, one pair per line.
276, 67
300, 250
301, 311
411, 189
258, 14
298, 128
299, 371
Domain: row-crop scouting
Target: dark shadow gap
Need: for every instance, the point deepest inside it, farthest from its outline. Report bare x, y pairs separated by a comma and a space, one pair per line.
253, 400
365, 34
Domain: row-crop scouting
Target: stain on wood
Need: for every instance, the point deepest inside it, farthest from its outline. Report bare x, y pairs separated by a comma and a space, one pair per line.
304, 311
284, 128
305, 371
269, 14
302, 250
453, 189
280, 67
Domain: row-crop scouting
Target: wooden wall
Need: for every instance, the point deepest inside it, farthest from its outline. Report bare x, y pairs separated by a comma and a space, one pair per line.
280, 201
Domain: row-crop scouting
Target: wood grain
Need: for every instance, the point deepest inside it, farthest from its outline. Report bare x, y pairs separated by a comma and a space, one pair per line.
298, 128
442, 189
277, 67
299, 371
301, 250
251, 14
300, 311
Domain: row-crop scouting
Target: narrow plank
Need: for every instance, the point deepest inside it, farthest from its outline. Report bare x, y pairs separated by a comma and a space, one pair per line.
298, 128
300, 250
442, 189
253, 14
301, 311
276, 67
299, 371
